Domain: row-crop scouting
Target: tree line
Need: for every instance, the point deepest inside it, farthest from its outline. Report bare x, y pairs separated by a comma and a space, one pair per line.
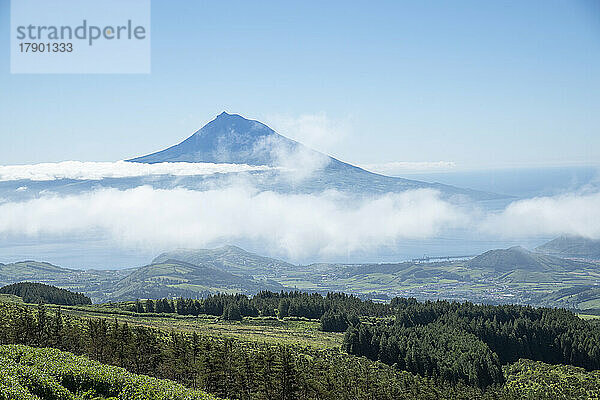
39, 293
456, 343
226, 367
469, 343
336, 310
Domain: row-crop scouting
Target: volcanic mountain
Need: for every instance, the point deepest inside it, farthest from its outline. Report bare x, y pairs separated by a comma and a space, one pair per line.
231, 138
518, 258
572, 246
230, 259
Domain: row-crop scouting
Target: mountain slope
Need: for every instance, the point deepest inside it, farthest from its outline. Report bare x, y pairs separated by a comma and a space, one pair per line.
173, 278
582, 297
95, 283
227, 258
32, 271
230, 138
572, 246
518, 258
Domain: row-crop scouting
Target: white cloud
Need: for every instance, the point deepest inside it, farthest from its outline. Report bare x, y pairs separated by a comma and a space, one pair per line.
121, 169
314, 131
317, 131
295, 225
298, 226
296, 163
572, 214
401, 167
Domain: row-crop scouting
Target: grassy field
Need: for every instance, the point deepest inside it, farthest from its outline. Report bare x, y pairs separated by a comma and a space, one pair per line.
290, 330
270, 330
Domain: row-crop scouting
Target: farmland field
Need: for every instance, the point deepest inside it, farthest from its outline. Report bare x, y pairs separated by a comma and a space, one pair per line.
261, 329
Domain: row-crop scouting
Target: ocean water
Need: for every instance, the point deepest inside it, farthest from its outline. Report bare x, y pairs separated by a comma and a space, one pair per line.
521, 182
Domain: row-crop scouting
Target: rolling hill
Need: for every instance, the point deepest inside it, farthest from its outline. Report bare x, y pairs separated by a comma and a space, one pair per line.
585, 298
95, 283
175, 278
572, 246
227, 258
502, 275
26, 270
518, 258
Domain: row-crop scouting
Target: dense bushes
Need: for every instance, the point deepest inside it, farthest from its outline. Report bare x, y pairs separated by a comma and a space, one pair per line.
40, 293
30, 373
536, 380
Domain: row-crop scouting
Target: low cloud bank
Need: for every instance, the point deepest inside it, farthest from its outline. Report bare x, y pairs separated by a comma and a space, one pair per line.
295, 225
80, 170
569, 214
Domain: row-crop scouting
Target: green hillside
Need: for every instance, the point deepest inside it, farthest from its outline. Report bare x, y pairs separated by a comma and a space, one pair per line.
518, 258
173, 278
512, 275
227, 258
94, 283
32, 270
581, 297
572, 246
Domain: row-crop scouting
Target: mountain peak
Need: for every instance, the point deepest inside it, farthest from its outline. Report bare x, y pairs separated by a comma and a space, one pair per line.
226, 124
233, 139
225, 114
572, 246
519, 249
229, 138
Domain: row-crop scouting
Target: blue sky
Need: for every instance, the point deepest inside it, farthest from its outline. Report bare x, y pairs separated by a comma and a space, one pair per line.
480, 84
